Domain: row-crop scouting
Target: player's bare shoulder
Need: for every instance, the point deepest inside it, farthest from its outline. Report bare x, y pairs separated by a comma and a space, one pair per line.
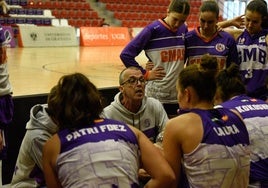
234, 32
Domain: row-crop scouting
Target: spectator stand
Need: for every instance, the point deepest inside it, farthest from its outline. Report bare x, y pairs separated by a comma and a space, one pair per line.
136, 13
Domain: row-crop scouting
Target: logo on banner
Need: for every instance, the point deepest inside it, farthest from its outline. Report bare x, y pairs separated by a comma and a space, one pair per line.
33, 36
8, 36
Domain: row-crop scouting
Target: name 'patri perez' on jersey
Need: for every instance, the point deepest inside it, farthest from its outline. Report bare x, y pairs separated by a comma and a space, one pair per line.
94, 130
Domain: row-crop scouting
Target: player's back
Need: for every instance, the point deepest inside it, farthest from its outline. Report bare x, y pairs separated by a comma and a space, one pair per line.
255, 115
222, 158
104, 154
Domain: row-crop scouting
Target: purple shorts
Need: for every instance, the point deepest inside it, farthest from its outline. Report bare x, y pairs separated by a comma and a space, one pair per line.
6, 110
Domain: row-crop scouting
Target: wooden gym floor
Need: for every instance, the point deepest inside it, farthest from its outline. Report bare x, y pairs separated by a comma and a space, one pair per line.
37, 70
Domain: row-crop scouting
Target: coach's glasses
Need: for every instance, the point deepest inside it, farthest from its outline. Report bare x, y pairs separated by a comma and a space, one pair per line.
134, 81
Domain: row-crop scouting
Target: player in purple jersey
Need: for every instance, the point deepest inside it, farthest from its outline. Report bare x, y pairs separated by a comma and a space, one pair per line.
92, 152
163, 43
6, 101
209, 145
252, 45
207, 39
231, 94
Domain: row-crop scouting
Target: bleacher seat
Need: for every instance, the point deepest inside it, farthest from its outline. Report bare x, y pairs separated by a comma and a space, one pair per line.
3, 20
94, 14
38, 21
139, 12
55, 22
47, 13
20, 21
81, 6
71, 22
87, 22
10, 21
63, 14
120, 15
97, 22
86, 14
46, 21
23, 2
64, 22
56, 13
30, 20
41, 12
79, 23
14, 2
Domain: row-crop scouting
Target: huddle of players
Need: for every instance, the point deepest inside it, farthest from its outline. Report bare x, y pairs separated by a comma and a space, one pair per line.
204, 146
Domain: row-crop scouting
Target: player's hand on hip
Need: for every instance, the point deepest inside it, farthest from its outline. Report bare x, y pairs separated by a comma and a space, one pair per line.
157, 73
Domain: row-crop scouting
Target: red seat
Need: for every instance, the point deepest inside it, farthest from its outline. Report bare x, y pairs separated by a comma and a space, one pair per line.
133, 16
56, 13
124, 23
87, 23
47, 5
72, 22
79, 6
86, 14
78, 14
96, 23
125, 7
70, 5
120, 15
132, 23
55, 5
79, 23
135, 8
94, 14
86, 6
71, 14
112, 7
63, 14
64, 5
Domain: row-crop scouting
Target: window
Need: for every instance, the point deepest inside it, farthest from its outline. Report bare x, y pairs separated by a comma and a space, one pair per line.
234, 8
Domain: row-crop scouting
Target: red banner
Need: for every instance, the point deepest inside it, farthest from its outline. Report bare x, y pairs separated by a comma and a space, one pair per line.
104, 36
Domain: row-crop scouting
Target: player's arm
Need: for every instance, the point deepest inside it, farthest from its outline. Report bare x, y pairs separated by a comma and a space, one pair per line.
134, 48
172, 149
154, 163
50, 152
238, 22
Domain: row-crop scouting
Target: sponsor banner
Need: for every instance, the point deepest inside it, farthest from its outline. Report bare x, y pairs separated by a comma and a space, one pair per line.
104, 36
45, 36
9, 34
